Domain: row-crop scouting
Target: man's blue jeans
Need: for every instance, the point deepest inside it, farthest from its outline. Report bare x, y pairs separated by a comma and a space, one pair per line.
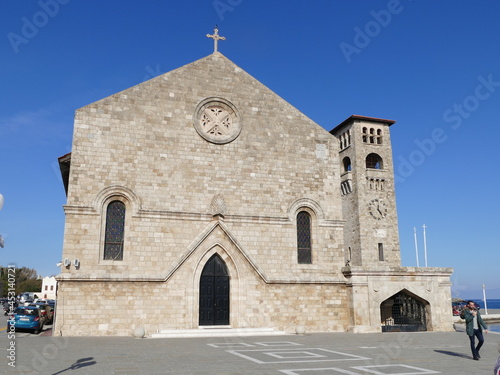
475, 349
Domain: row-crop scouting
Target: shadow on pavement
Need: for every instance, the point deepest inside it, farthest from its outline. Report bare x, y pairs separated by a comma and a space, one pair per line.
454, 354
82, 362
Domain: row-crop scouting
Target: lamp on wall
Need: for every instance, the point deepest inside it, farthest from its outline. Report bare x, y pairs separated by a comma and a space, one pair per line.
67, 262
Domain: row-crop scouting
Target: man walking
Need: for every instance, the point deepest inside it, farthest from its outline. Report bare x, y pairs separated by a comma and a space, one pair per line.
474, 325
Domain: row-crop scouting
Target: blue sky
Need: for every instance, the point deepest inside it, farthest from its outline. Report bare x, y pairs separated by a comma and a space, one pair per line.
434, 67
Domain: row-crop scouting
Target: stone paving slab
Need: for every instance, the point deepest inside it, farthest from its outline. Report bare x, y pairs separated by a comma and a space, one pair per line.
310, 354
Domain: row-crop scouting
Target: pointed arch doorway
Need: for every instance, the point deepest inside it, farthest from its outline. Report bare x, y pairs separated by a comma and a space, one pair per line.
403, 312
214, 293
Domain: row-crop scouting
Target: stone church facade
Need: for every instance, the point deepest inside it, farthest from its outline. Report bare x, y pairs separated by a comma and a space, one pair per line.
201, 198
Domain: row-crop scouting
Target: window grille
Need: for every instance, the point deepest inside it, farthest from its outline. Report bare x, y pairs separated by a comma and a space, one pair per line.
304, 238
114, 233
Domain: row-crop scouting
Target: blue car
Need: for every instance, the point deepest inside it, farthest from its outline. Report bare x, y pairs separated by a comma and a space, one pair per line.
27, 318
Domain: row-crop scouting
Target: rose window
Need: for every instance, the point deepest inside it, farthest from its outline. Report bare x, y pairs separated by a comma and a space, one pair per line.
216, 122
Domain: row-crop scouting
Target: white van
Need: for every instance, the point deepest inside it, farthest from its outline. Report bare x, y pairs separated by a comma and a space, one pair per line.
28, 297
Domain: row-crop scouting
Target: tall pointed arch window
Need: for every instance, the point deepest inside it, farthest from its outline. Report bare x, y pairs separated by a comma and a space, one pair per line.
304, 253
115, 231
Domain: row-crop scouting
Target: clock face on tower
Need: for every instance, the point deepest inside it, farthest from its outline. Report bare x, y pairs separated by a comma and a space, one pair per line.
377, 209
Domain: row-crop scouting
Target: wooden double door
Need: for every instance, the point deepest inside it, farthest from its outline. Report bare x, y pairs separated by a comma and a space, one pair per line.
214, 293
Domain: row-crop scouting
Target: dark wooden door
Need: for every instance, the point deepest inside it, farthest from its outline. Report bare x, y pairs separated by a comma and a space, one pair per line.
214, 293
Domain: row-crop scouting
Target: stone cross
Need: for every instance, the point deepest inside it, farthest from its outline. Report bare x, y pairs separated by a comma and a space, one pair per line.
216, 37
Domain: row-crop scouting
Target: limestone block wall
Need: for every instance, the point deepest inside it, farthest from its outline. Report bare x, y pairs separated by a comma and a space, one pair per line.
124, 306
154, 247
144, 139
141, 146
317, 307
369, 288
269, 293
118, 307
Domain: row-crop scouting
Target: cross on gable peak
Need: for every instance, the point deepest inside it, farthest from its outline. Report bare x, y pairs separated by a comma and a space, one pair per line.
216, 37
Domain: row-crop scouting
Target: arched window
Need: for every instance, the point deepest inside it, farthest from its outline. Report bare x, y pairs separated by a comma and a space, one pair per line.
365, 135
304, 238
374, 161
114, 232
347, 164
379, 136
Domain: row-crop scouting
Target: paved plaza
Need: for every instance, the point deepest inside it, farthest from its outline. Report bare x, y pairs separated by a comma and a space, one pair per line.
309, 354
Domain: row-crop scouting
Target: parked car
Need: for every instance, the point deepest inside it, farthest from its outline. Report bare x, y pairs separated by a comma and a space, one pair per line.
27, 317
46, 309
52, 304
457, 308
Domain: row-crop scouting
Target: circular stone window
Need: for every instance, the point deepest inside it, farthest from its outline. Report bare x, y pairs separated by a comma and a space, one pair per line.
217, 120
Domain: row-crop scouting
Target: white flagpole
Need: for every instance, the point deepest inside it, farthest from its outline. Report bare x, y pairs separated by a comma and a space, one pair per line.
2, 244
416, 245
425, 246
484, 299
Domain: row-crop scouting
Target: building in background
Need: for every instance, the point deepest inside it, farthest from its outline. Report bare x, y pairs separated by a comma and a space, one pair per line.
49, 287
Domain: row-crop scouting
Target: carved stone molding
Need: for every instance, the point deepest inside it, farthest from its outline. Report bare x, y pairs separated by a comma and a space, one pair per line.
218, 205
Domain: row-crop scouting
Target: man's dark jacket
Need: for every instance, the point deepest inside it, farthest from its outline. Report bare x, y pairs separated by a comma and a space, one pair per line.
469, 321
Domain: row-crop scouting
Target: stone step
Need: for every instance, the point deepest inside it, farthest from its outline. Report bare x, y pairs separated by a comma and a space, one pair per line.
216, 332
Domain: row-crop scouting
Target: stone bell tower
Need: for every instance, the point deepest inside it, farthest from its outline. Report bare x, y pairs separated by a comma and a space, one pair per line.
367, 187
